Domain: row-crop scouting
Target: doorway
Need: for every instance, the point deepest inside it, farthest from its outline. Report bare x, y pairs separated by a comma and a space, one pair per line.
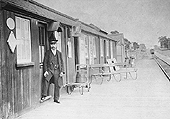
105, 51
42, 48
76, 51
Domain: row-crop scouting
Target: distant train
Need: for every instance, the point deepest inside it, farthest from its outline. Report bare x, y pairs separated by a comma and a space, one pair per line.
152, 51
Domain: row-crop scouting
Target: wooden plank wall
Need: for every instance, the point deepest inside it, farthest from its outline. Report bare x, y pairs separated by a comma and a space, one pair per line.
28, 81
70, 61
7, 70
35, 80
1, 37
63, 49
20, 86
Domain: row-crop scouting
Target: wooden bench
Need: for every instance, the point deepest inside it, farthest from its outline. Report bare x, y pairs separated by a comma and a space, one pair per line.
99, 70
111, 69
121, 68
80, 69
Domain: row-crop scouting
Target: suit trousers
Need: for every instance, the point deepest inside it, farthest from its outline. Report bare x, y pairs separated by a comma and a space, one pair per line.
46, 85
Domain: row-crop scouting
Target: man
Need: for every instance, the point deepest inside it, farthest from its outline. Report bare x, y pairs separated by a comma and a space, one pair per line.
53, 69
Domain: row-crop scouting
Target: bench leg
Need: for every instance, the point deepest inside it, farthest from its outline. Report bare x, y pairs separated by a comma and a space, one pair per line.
68, 90
135, 77
126, 75
81, 90
110, 77
88, 87
118, 80
102, 80
94, 78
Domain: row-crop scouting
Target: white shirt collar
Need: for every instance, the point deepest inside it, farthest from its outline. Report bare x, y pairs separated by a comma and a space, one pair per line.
54, 51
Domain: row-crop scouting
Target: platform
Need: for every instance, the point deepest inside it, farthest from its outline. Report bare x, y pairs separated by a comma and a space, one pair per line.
148, 97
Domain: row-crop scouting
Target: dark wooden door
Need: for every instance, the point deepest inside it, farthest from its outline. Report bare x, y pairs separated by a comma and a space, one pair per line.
105, 54
76, 50
42, 47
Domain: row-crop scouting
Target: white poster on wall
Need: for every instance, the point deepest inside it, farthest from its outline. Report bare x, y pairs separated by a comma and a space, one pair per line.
69, 49
86, 40
91, 48
82, 50
58, 37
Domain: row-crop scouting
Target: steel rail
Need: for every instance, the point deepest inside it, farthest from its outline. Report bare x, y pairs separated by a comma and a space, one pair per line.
158, 60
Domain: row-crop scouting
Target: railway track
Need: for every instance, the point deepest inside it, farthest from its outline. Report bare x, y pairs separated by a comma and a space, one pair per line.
165, 67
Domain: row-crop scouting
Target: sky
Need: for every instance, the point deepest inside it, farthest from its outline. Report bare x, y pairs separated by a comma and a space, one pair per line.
141, 21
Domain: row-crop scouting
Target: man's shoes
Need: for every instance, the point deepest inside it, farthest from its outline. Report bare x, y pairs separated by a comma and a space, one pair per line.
56, 101
43, 97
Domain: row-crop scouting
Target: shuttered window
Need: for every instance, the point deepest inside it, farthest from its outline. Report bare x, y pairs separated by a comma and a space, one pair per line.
24, 40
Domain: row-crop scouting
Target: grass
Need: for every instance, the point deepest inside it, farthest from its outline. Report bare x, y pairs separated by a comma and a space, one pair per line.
164, 52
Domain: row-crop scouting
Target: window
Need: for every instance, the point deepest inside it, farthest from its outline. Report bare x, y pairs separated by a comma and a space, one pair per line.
24, 40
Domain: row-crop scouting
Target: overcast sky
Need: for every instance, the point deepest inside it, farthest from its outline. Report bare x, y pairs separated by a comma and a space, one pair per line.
141, 21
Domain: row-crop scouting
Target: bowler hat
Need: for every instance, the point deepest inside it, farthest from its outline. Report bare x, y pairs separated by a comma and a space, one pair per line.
52, 38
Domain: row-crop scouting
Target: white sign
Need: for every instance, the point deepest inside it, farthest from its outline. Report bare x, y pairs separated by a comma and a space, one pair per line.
10, 23
69, 49
12, 41
58, 37
82, 50
91, 50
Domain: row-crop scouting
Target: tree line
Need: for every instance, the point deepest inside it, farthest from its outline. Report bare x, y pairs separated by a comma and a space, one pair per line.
164, 42
131, 45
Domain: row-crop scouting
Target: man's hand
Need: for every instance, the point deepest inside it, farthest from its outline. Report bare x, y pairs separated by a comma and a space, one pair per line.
61, 74
45, 74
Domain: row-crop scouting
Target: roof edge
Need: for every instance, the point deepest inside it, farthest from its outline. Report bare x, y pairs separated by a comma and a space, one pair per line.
50, 9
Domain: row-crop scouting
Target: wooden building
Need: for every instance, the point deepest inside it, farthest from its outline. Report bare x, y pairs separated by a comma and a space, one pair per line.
95, 46
120, 46
25, 27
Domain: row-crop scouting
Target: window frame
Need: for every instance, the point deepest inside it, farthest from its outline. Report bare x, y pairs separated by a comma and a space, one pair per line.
42, 41
28, 61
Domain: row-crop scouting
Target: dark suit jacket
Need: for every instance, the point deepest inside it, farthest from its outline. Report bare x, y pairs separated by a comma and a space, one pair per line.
49, 63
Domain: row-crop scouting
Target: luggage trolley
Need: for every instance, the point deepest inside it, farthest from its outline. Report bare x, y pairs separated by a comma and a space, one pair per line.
82, 80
